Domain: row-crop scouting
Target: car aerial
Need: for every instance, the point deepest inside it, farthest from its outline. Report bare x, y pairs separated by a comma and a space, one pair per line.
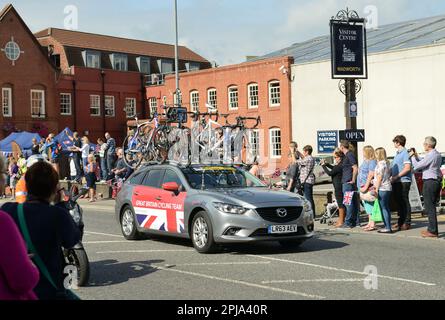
211, 205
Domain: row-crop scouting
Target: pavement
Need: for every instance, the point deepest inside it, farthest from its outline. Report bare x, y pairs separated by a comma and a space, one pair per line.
335, 264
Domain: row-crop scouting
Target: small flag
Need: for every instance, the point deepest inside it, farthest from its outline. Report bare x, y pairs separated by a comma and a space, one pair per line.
347, 198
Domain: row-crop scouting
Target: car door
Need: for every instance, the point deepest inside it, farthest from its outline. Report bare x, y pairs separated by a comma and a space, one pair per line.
149, 214
173, 202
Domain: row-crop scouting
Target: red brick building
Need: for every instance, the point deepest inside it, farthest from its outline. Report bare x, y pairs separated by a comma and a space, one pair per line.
261, 88
88, 82
27, 79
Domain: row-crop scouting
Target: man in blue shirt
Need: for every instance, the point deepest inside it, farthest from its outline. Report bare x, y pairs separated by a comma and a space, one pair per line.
401, 183
110, 152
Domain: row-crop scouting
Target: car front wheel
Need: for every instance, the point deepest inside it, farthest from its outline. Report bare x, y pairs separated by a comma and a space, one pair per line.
128, 225
202, 233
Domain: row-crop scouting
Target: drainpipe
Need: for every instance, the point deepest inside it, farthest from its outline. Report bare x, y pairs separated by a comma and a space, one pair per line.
74, 105
104, 127
143, 97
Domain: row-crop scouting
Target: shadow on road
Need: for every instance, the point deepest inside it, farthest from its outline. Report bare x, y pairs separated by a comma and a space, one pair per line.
109, 272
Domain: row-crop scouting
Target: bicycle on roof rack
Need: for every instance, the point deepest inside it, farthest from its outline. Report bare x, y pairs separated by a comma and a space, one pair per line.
152, 140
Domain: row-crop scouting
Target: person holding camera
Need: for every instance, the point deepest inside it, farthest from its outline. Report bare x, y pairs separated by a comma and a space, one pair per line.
401, 183
336, 172
432, 180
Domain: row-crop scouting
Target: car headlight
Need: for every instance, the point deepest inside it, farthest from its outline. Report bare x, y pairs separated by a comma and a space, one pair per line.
307, 206
229, 208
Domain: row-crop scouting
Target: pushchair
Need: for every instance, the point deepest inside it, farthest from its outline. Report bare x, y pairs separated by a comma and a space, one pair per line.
331, 210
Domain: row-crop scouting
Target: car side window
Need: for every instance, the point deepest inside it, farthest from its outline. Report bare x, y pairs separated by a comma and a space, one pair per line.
153, 178
137, 178
171, 176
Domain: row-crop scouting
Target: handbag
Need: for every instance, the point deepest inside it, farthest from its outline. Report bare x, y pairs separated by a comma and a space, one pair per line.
376, 215
300, 186
64, 294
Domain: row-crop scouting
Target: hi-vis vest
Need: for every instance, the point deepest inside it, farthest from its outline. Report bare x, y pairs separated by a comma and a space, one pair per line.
20, 191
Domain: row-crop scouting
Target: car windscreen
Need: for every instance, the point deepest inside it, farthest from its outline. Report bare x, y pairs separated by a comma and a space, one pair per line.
220, 177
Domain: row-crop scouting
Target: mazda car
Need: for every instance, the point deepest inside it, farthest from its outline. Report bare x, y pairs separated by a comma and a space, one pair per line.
211, 205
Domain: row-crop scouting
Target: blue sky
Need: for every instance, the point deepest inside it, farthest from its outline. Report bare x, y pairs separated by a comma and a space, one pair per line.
224, 31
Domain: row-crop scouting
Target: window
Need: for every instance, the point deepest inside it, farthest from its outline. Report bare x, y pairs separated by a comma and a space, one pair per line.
171, 176
153, 102
65, 104
119, 61
274, 93
254, 140
7, 102
91, 59
175, 99
194, 101
38, 103
137, 178
143, 64
252, 90
275, 143
192, 66
165, 66
130, 107
153, 178
233, 98
94, 105
109, 106
211, 98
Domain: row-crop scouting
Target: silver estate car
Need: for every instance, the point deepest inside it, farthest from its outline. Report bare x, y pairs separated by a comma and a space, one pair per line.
211, 205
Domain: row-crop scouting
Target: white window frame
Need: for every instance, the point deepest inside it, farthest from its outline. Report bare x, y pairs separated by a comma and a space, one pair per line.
214, 101
42, 107
273, 92
122, 59
140, 61
194, 101
250, 96
254, 141
9, 102
153, 104
175, 99
272, 149
130, 104
67, 104
97, 98
233, 97
97, 55
111, 107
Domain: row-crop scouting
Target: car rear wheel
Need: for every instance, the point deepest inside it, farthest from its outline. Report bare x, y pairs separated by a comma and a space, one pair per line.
291, 243
128, 224
202, 233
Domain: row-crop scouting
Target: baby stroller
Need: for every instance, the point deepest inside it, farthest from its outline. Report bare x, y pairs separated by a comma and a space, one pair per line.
331, 210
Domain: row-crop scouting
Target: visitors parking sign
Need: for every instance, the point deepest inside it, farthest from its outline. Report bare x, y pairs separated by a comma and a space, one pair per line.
327, 141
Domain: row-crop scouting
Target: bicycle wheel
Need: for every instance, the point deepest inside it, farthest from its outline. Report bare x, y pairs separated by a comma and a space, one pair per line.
133, 155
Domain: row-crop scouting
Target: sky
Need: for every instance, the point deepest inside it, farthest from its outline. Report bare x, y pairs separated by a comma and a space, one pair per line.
224, 31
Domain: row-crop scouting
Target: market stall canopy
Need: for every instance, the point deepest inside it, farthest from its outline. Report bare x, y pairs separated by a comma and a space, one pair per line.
23, 140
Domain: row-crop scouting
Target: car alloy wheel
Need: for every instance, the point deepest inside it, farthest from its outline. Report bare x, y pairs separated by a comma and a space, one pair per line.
127, 222
200, 232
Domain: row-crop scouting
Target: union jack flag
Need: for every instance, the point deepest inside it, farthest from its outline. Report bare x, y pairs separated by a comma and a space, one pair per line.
160, 219
347, 198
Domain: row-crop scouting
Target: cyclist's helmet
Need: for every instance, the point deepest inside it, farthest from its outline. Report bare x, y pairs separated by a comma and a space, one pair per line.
34, 159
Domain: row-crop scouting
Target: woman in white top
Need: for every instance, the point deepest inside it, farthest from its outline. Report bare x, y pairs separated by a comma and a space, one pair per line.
85, 149
382, 182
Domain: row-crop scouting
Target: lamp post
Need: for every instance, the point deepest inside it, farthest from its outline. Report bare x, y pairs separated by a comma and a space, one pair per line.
176, 53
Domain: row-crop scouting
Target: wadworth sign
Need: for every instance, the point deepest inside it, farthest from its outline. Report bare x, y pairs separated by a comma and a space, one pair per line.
348, 49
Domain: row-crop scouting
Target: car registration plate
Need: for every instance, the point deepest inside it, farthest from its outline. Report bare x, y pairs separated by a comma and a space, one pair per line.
290, 228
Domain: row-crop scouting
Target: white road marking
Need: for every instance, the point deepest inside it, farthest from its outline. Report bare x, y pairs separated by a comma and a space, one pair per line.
146, 251
99, 242
312, 280
103, 234
219, 263
239, 282
342, 270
